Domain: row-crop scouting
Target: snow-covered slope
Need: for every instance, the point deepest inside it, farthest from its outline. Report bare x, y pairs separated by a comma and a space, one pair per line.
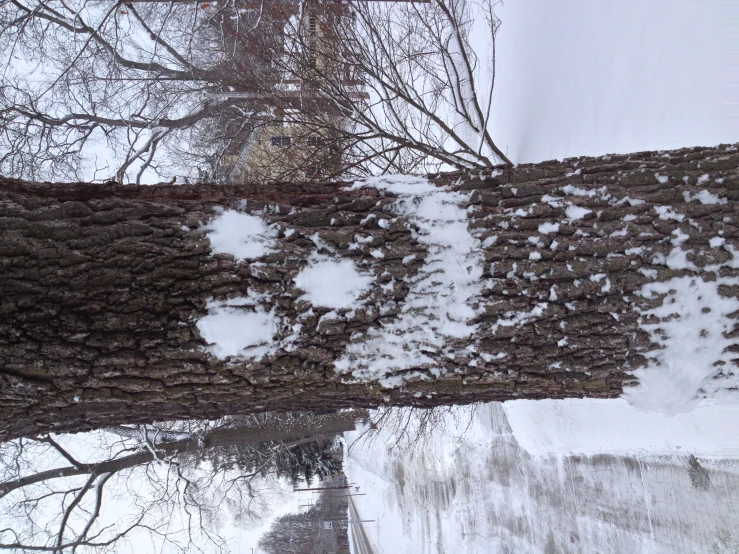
473, 489
594, 426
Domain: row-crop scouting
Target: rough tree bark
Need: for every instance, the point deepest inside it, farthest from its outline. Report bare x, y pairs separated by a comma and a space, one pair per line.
101, 288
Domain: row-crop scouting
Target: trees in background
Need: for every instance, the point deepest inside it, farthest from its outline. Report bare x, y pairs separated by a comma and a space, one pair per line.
411, 428
175, 482
151, 90
427, 98
301, 461
306, 533
116, 89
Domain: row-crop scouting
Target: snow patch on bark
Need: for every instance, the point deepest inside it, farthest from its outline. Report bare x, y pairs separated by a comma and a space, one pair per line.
331, 283
516, 319
692, 362
238, 327
576, 212
704, 197
244, 236
439, 304
668, 212
572, 190
678, 258
547, 227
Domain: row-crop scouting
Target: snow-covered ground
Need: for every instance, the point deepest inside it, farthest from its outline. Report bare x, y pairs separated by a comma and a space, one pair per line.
473, 487
615, 427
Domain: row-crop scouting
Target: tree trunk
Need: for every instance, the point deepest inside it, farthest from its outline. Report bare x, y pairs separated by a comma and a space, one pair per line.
104, 289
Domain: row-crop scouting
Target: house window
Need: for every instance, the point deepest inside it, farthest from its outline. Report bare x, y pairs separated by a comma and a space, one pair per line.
328, 524
280, 141
314, 141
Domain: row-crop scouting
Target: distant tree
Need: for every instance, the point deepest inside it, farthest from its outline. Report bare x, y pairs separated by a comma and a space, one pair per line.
132, 81
309, 461
294, 533
305, 533
304, 461
397, 87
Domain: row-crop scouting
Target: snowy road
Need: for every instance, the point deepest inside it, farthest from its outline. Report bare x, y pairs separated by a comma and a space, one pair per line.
360, 542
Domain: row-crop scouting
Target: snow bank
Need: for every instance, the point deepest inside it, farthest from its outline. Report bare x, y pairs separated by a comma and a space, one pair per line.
593, 426
472, 488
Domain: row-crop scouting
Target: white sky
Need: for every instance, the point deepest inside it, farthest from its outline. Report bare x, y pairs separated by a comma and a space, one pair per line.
589, 78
